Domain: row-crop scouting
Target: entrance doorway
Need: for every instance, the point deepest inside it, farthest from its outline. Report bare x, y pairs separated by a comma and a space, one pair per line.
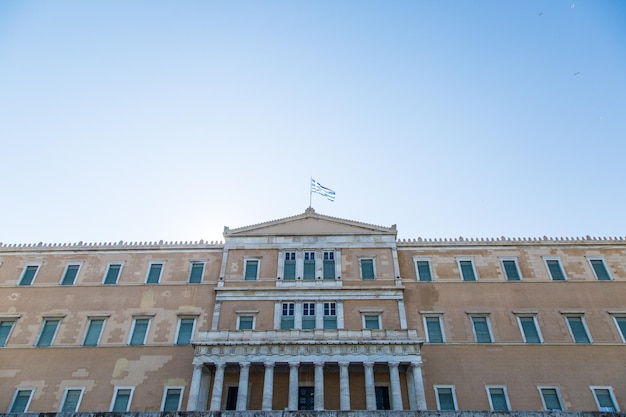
306, 398
382, 398
231, 398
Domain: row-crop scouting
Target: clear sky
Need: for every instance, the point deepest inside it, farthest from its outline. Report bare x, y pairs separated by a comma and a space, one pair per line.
150, 120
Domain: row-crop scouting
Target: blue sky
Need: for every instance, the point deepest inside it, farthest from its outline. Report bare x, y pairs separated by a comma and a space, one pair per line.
151, 120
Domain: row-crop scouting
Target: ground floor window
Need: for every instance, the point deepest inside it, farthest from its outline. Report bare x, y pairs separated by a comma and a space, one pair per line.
306, 398
231, 398
382, 398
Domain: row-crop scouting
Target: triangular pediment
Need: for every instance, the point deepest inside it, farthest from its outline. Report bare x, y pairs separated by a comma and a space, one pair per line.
309, 223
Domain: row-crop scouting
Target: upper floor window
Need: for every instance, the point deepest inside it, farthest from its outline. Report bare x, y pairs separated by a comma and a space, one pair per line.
446, 398
555, 269
245, 322
434, 332
498, 398
28, 275
154, 273
48, 332
551, 398
287, 318
371, 321
620, 322
289, 266
529, 328
94, 331
309, 265
466, 266
330, 315
172, 397
21, 400
482, 330
251, 270
367, 268
196, 272
6, 326
139, 331
578, 329
112, 273
329, 265
185, 330
511, 269
599, 269
308, 315
121, 399
605, 399
71, 400
70, 274
422, 266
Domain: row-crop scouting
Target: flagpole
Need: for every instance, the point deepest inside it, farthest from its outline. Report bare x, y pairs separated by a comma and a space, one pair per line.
310, 192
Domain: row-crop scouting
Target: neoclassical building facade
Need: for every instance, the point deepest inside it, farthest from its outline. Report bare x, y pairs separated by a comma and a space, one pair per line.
314, 312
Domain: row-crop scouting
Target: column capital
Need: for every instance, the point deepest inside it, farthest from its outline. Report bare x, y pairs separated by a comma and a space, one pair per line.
244, 365
368, 365
416, 365
197, 366
319, 363
344, 364
269, 364
393, 364
294, 364
220, 365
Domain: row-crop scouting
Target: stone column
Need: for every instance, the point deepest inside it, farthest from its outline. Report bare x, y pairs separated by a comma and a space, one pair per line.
410, 388
319, 315
339, 306
344, 386
216, 315
194, 388
297, 318
293, 385
319, 386
242, 392
402, 314
218, 386
370, 391
268, 386
205, 384
418, 384
396, 394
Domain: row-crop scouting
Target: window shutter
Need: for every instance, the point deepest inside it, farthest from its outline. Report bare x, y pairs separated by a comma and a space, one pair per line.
498, 400
70, 275
482, 330
71, 401
47, 333
367, 268
433, 327
93, 332
197, 270
510, 268
252, 267
423, 271
121, 400
172, 398
446, 401
530, 330
600, 269
555, 270
578, 330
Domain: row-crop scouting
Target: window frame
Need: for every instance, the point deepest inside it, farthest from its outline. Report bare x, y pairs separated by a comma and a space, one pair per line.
178, 327
452, 391
330, 254
506, 396
69, 264
89, 321
180, 398
329, 318
132, 330
192, 264
593, 389
245, 267
371, 314
373, 260
619, 329
519, 318
470, 259
558, 396
15, 395
591, 259
513, 259
291, 312
293, 260
7, 320
547, 259
428, 260
439, 318
150, 264
246, 315
308, 307
54, 335
581, 316
487, 321
130, 397
38, 265
66, 392
119, 273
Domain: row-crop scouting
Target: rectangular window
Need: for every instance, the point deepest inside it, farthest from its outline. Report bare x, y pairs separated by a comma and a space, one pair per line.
121, 399
196, 273
71, 272
498, 399
371, 322
48, 331
482, 332
445, 398
511, 270
367, 268
185, 331
308, 315
620, 322
287, 318
330, 316
112, 274
600, 270
71, 400
605, 399
434, 334
467, 270
6, 326
28, 276
154, 273
551, 399
252, 270
245, 323
139, 332
172, 398
422, 266
578, 329
21, 400
329, 265
94, 330
529, 328
289, 266
309, 265
555, 269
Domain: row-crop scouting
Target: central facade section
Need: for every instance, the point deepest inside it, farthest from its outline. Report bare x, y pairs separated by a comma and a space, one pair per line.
309, 314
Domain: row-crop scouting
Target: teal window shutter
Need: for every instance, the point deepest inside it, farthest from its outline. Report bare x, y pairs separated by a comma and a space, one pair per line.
47, 332
252, 267
122, 399
423, 271
28, 275
511, 271
556, 272
70, 275
604, 399
246, 322
289, 267
93, 332
21, 401
5, 330
309, 265
372, 322
531, 335
154, 276
287, 319
467, 271
621, 324
498, 399
446, 399
577, 327
551, 399
600, 269
185, 331
367, 268
433, 327
481, 328
197, 271
172, 399
113, 274
139, 332
70, 405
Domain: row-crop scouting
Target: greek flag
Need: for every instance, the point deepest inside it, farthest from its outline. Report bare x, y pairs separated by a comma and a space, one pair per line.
318, 188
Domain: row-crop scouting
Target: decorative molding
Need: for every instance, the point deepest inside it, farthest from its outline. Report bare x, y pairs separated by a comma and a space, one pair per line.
404, 243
